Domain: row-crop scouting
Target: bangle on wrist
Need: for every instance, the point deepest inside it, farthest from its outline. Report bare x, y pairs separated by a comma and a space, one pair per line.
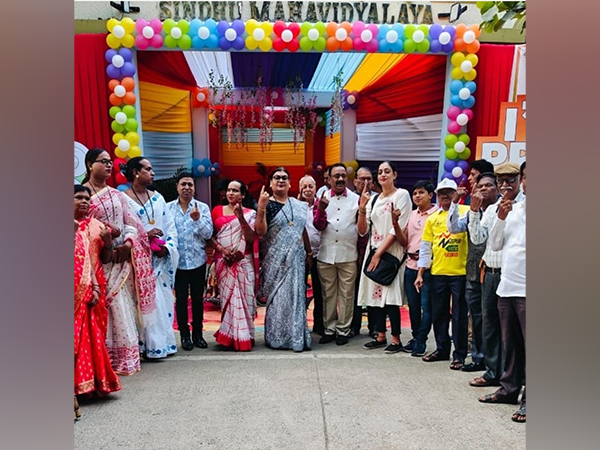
262, 209
362, 211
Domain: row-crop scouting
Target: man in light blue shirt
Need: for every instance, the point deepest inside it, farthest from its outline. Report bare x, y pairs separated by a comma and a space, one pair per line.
194, 228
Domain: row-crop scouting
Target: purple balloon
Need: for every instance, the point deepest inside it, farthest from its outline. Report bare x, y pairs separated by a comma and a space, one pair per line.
435, 30
238, 43
461, 179
128, 69
450, 30
447, 175
464, 165
435, 47
222, 27
449, 47
110, 53
224, 43
126, 54
113, 72
449, 165
239, 27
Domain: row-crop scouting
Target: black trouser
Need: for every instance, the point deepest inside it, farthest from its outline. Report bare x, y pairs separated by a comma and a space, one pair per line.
444, 287
512, 311
192, 282
379, 314
317, 296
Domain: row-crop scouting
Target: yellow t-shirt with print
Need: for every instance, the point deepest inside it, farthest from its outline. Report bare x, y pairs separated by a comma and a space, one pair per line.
449, 250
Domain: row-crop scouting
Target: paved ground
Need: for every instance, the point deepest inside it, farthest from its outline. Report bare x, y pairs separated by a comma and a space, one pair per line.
329, 398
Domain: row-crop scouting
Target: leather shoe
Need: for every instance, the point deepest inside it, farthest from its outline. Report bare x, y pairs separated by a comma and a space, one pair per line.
327, 338
341, 340
473, 367
199, 341
186, 344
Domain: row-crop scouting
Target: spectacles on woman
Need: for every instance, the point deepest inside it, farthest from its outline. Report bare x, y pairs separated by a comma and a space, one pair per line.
106, 162
281, 177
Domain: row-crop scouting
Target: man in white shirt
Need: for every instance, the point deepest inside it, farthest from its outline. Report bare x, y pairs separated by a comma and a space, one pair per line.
325, 186
509, 235
335, 216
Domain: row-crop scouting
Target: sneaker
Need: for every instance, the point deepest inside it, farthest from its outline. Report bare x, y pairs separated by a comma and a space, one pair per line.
419, 349
327, 338
393, 348
408, 348
375, 344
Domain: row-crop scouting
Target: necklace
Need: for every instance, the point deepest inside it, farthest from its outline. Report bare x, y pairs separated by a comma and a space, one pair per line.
108, 218
150, 221
290, 222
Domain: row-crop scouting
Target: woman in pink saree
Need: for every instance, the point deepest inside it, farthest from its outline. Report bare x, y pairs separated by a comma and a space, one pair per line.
236, 272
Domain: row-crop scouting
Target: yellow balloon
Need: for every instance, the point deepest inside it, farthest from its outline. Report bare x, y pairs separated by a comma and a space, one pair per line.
113, 42
134, 151
456, 73
251, 43
251, 25
266, 44
120, 153
267, 27
128, 24
470, 75
128, 41
111, 24
472, 58
457, 58
117, 137
133, 138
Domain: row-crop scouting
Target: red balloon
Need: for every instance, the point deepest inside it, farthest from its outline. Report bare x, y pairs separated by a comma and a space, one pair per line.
278, 44
278, 27
120, 178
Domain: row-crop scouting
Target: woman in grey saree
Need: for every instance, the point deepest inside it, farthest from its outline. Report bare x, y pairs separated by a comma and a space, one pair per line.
280, 221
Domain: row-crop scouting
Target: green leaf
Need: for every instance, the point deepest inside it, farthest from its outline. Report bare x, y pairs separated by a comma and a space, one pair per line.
484, 6
490, 14
508, 15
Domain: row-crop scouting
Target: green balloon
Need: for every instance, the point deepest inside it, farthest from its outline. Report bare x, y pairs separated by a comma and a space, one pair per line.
464, 138
320, 26
423, 46
465, 154
320, 44
409, 46
116, 127
450, 140
424, 28
131, 125
113, 111
129, 111
184, 25
168, 25
451, 153
409, 30
185, 42
305, 28
170, 42
305, 44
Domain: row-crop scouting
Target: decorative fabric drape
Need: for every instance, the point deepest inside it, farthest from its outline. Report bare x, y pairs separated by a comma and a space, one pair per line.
372, 68
332, 148
201, 64
277, 69
166, 68
164, 108
329, 66
168, 152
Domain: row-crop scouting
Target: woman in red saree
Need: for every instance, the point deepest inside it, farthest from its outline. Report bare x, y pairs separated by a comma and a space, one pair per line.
235, 269
93, 246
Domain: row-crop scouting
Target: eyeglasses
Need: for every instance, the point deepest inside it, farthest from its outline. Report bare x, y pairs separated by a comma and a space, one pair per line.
339, 175
281, 177
508, 180
364, 179
106, 162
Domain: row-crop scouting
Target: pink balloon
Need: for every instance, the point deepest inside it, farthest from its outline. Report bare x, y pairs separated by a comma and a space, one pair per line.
453, 127
468, 112
139, 25
156, 25
358, 27
156, 41
141, 42
453, 112
373, 45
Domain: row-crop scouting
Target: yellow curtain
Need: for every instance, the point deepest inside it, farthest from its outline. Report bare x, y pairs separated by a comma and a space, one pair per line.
280, 154
332, 148
164, 108
373, 67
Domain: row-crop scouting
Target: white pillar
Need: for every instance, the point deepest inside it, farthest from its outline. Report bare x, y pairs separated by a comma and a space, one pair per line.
348, 135
200, 145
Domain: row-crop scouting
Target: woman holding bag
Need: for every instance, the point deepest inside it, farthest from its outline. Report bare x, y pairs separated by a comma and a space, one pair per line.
384, 217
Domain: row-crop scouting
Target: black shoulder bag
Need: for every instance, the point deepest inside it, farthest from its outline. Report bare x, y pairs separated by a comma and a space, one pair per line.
388, 267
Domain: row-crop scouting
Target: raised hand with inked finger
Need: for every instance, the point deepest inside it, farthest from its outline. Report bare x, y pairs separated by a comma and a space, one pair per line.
396, 213
476, 201
263, 198
364, 197
506, 206
195, 213
238, 211
323, 202
461, 192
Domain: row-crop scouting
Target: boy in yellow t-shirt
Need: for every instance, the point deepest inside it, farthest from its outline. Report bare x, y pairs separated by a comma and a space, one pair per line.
446, 254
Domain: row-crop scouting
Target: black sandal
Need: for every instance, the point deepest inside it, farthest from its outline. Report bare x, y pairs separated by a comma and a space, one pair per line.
519, 416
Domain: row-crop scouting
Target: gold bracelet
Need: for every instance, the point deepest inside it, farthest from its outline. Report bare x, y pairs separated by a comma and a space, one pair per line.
262, 209
364, 213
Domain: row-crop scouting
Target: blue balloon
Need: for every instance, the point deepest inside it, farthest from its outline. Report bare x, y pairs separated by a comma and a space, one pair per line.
435, 47
456, 86
471, 86
468, 103
449, 165
456, 101
123, 187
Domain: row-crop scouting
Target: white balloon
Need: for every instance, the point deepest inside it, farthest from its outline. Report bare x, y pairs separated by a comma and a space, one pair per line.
287, 36
350, 170
203, 32
176, 32
124, 145
462, 119
366, 36
444, 38
351, 99
313, 34
418, 36
274, 95
118, 31
341, 34
148, 32
230, 34
466, 66
120, 91
457, 172
464, 93
459, 147
201, 169
469, 37
391, 36
201, 97
121, 118
118, 61
258, 34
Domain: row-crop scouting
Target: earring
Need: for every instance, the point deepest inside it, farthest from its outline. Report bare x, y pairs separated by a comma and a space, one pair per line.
137, 176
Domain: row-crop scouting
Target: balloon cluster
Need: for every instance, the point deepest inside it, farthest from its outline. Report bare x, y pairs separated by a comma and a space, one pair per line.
365, 36
204, 34
351, 168
259, 35
120, 63
286, 36
339, 36
122, 91
462, 93
231, 36
313, 37
203, 168
416, 39
350, 99
177, 34
149, 34
442, 38
120, 33
391, 39
200, 97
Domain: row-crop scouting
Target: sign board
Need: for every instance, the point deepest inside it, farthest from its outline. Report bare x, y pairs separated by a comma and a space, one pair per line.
509, 145
80, 151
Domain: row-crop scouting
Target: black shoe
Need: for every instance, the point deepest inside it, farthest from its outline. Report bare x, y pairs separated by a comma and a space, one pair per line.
375, 344
199, 341
393, 348
327, 338
408, 348
341, 340
473, 367
419, 349
186, 344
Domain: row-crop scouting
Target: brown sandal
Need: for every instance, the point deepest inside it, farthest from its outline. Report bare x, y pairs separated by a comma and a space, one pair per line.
519, 416
457, 364
481, 382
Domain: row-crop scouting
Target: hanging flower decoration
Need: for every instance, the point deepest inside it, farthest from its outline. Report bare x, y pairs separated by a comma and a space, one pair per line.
365, 36
200, 97
441, 38
350, 99
123, 119
277, 96
259, 35
313, 37
416, 39
286, 36
121, 33
466, 38
149, 34
462, 93
391, 39
464, 66
120, 63
177, 34
122, 91
339, 36
204, 34
231, 36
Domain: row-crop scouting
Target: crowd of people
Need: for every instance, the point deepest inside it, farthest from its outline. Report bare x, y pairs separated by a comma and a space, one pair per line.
365, 245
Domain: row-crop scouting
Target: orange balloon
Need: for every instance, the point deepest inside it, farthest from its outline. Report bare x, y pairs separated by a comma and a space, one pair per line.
112, 84
473, 47
114, 100
129, 98
459, 45
475, 29
460, 30
347, 44
128, 83
332, 28
346, 26
332, 44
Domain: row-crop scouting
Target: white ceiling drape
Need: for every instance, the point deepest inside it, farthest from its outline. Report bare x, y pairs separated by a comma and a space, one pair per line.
201, 63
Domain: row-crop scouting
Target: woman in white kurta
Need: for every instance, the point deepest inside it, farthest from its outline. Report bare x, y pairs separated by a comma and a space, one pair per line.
384, 216
156, 340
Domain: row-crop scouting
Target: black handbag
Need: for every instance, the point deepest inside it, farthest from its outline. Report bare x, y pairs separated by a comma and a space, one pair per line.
388, 267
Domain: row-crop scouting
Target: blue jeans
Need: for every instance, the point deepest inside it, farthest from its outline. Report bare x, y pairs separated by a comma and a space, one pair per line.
419, 304
443, 288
